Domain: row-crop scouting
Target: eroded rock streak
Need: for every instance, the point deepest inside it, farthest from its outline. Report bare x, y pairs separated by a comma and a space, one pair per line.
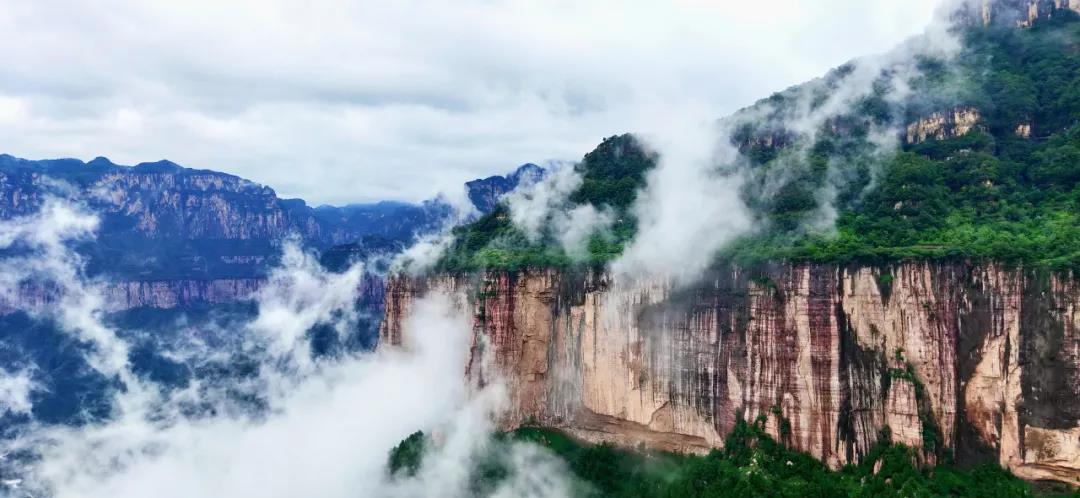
976, 361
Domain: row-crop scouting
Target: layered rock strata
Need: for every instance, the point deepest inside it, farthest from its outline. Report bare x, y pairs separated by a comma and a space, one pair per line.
970, 361
34, 296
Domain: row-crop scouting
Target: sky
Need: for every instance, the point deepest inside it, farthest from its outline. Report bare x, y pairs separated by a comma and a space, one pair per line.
344, 101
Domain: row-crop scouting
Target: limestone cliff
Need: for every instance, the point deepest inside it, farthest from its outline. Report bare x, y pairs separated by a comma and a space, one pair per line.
33, 296
1020, 13
980, 362
943, 125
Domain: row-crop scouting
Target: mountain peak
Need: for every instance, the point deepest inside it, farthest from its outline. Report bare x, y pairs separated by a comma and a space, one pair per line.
101, 162
485, 193
527, 173
162, 166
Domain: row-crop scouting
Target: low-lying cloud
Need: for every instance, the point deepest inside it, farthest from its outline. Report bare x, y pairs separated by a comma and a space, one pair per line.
328, 434
325, 425
690, 206
544, 210
695, 200
15, 388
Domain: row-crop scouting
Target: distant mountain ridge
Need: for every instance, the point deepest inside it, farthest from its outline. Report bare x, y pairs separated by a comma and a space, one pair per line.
179, 245
162, 221
485, 193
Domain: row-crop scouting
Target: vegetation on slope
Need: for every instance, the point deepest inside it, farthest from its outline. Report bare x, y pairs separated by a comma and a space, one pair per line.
750, 465
611, 175
990, 193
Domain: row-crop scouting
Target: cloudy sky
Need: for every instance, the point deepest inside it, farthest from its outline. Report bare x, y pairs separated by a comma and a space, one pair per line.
347, 101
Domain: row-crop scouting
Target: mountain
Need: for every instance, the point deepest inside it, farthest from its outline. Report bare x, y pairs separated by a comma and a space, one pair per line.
978, 162
163, 222
181, 249
903, 313
934, 310
485, 193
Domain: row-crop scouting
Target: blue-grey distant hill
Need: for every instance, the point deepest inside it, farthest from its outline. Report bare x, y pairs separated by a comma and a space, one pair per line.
162, 221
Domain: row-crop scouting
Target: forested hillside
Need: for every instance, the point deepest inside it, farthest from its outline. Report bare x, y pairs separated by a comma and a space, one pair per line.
751, 464
999, 184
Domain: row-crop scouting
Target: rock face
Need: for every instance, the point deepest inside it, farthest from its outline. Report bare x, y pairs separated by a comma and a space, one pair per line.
169, 294
943, 125
976, 362
119, 296
1018, 13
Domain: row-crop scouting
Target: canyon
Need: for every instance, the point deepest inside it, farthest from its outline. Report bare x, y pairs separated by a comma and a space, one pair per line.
969, 362
966, 362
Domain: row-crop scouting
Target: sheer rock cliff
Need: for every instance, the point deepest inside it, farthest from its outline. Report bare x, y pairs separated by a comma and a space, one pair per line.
977, 362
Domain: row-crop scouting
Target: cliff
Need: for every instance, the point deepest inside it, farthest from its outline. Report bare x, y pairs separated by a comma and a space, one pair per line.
33, 296
1019, 13
944, 125
976, 362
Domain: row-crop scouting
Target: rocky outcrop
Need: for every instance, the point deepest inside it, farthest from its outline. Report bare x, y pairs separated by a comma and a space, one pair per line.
1023, 130
943, 125
977, 362
157, 200
767, 139
1019, 13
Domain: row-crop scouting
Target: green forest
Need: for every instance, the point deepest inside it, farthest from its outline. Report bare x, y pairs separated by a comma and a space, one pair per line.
751, 464
988, 194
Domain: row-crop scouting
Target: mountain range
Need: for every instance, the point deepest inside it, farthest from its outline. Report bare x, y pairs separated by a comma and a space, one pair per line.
898, 305
162, 221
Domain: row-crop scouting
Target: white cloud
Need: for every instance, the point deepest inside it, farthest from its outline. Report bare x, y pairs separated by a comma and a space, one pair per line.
544, 209
326, 426
15, 389
376, 100
575, 227
328, 433
532, 206
299, 295
425, 252
49, 260
688, 209
692, 204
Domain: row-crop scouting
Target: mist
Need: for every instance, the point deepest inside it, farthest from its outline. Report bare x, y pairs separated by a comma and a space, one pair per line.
15, 390
689, 207
307, 425
695, 201
324, 426
544, 209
